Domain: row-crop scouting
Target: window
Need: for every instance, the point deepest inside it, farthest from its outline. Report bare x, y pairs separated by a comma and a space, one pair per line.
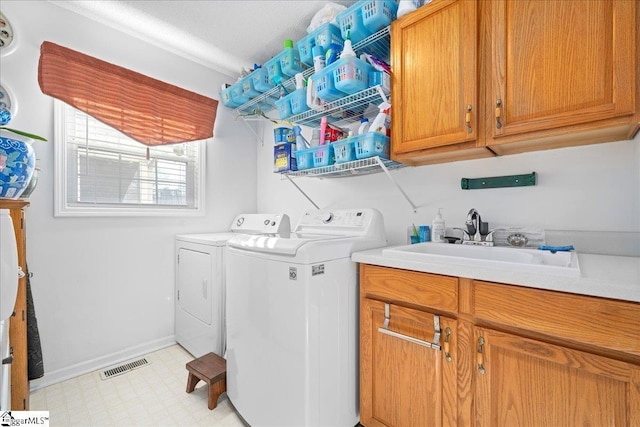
100, 171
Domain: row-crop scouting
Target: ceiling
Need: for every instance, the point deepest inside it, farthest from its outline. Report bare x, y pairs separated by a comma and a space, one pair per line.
225, 35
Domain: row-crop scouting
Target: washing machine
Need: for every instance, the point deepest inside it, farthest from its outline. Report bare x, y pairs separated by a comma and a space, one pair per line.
292, 320
200, 278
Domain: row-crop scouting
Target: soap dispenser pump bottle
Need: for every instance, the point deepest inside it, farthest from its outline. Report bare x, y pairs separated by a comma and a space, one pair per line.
437, 228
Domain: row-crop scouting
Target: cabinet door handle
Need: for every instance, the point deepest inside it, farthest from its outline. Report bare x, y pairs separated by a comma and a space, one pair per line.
467, 118
498, 114
385, 330
445, 346
480, 356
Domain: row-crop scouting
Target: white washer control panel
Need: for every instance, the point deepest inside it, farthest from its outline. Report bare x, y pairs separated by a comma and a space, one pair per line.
341, 221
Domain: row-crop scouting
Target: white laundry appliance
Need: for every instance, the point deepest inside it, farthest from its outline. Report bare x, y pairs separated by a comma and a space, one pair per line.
200, 274
292, 320
9, 274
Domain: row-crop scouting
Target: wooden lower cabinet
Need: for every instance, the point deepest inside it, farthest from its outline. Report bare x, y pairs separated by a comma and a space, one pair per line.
405, 382
18, 322
523, 382
509, 355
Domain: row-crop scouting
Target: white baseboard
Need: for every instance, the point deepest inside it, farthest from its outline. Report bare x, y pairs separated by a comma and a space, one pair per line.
82, 368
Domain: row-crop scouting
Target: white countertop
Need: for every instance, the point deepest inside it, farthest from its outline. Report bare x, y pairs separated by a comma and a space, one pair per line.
616, 277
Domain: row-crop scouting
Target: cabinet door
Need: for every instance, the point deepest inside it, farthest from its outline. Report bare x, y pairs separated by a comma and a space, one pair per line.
522, 382
555, 64
434, 77
18, 322
402, 382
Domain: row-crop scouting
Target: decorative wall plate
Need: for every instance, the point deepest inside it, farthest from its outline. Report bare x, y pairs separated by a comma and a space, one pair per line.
7, 35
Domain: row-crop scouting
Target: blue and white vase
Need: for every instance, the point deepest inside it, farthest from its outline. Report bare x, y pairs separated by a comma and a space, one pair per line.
17, 163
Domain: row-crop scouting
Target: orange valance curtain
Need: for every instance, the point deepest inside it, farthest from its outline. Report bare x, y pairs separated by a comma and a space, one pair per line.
148, 110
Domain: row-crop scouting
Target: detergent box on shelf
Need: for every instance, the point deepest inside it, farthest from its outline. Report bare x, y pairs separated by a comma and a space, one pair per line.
284, 158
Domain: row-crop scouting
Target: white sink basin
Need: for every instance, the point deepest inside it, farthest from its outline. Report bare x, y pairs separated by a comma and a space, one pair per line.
530, 260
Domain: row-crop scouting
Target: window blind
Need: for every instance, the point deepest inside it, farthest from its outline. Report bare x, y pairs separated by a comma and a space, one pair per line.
147, 110
106, 168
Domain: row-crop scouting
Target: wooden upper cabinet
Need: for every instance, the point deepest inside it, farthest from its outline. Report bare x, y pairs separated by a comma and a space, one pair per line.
481, 78
434, 91
559, 67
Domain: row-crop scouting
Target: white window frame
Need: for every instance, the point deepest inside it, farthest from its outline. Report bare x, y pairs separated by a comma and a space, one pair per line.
63, 209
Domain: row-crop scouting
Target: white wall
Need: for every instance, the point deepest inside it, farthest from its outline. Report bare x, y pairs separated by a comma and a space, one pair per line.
590, 188
104, 287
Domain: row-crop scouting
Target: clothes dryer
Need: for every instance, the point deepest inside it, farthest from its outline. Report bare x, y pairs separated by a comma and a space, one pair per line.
200, 274
292, 316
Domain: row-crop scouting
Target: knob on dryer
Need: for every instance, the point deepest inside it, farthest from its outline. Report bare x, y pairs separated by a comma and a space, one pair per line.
327, 217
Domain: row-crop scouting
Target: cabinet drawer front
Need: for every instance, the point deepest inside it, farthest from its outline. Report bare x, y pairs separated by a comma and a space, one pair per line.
595, 321
409, 287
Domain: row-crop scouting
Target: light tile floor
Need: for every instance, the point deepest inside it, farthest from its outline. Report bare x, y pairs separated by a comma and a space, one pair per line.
152, 395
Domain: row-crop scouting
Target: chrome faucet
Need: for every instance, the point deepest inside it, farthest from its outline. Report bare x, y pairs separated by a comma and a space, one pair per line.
477, 232
474, 225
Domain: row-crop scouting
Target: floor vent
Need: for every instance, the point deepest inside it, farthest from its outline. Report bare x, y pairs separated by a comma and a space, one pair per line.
123, 369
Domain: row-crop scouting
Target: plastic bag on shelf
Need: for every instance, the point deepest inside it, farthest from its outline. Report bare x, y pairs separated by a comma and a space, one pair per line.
328, 13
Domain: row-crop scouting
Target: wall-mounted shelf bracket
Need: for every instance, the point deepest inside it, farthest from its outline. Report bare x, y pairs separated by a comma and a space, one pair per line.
347, 169
253, 131
386, 171
302, 191
499, 181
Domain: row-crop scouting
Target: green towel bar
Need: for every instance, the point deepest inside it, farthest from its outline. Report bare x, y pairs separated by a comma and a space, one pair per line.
499, 181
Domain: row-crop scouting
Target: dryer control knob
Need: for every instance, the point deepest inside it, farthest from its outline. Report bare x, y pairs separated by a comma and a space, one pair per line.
327, 218
240, 221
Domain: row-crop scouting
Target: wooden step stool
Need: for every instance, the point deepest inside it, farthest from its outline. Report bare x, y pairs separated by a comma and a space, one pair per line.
212, 369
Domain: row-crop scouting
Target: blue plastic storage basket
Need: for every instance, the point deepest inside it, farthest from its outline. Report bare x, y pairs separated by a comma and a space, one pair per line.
261, 80
323, 155
248, 87
274, 69
372, 144
226, 98
344, 150
351, 20
377, 14
351, 75
290, 63
327, 34
324, 84
284, 107
298, 100
304, 158
305, 49
232, 96
322, 36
